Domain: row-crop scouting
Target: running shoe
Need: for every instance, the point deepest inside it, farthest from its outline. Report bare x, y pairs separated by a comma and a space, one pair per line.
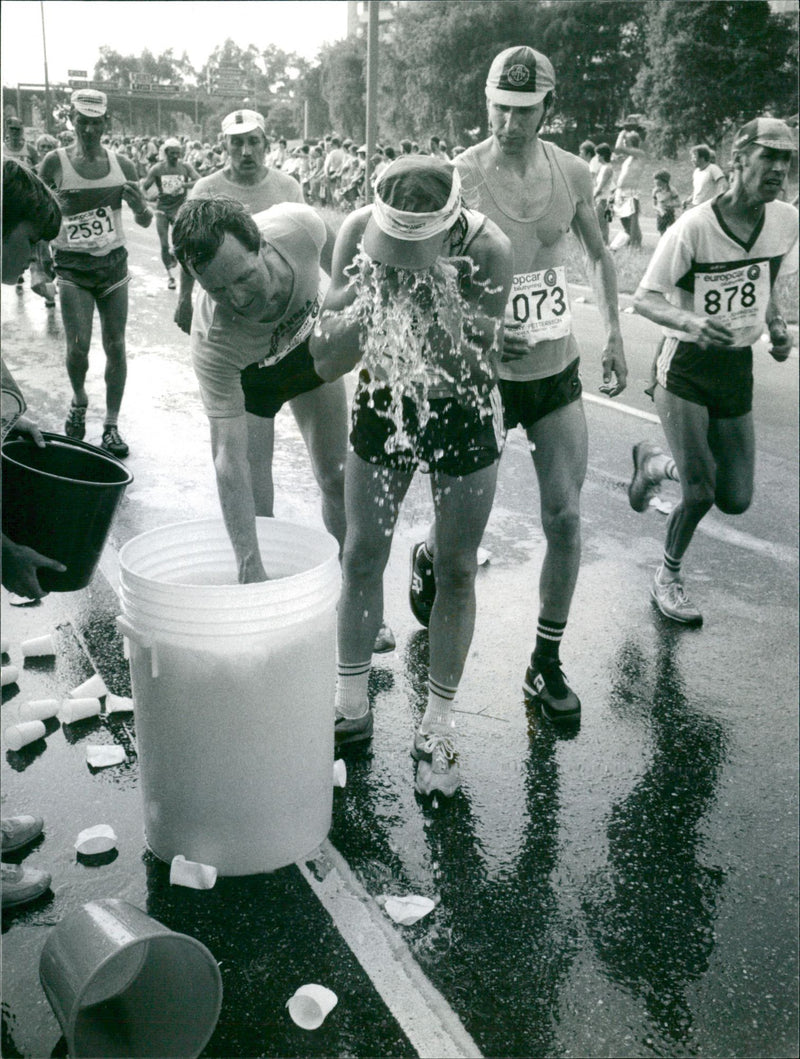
642, 487
348, 730
384, 641
437, 763
671, 599
546, 684
422, 590
18, 831
75, 425
112, 442
21, 884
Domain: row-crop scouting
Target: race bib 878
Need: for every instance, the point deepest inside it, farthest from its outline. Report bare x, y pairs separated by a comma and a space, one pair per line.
538, 306
736, 298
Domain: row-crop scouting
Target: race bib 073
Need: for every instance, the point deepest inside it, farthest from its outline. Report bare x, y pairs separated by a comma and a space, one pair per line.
91, 230
538, 306
736, 298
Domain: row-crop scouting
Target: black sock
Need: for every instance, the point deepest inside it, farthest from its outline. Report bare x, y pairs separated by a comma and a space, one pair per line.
548, 638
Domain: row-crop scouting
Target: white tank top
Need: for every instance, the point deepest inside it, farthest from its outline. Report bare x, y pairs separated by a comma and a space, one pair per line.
91, 209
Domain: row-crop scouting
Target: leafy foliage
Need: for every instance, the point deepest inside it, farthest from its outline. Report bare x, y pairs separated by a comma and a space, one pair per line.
711, 66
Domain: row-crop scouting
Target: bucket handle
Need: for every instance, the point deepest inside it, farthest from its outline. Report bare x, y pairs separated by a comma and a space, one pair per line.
131, 634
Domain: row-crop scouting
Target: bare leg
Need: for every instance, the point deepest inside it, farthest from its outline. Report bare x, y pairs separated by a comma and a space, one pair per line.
321, 415
113, 310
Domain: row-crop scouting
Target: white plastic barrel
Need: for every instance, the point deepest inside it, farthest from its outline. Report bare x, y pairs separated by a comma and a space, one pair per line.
233, 692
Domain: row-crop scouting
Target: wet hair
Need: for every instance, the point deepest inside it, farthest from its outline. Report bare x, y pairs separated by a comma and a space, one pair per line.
202, 224
603, 152
702, 152
663, 175
406, 185
26, 198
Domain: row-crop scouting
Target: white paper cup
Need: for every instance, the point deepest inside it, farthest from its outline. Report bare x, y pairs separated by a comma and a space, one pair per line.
339, 773
39, 646
310, 1005
39, 709
19, 735
101, 755
183, 872
118, 704
8, 675
91, 688
78, 709
5, 644
98, 839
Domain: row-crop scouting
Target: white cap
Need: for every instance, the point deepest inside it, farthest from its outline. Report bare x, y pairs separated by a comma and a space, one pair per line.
89, 102
242, 121
172, 142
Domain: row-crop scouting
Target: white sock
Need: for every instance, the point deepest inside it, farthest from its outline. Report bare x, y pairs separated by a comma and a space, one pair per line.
439, 714
351, 689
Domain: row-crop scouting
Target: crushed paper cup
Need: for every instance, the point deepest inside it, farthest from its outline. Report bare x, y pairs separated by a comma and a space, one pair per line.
78, 709
407, 910
339, 773
19, 735
39, 709
39, 646
664, 506
310, 1006
98, 839
118, 704
91, 688
183, 872
483, 556
8, 675
101, 755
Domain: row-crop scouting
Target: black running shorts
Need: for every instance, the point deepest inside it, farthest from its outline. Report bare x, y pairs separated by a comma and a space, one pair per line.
266, 390
525, 403
100, 276
719, 379
456, 440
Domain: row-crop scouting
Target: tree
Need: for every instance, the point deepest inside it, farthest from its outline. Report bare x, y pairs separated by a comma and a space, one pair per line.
434, 67
714, 64
343, 85
120, 69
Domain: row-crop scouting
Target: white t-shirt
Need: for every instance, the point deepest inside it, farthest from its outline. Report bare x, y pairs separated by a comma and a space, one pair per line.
700, 266
704, 183
223, 343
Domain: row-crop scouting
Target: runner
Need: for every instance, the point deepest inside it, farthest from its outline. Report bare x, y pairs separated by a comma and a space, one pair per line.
15, 145
709, 284
245, 178
436, 409
90, 257
260, 278
536, 193
173, 178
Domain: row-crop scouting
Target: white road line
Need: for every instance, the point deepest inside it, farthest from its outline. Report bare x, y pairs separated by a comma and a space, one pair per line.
430, 1024
608, 402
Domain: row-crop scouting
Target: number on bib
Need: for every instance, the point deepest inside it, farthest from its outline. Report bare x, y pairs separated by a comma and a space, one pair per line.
539, 305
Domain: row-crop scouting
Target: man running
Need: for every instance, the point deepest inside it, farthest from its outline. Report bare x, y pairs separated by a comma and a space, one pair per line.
90, 258
173, 178
536, 193
260, 279
709, 284
427, 400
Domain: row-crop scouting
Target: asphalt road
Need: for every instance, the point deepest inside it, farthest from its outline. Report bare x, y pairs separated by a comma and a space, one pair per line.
629, 891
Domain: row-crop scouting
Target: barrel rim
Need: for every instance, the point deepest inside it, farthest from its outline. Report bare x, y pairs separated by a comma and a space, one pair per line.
67, 443
135, 577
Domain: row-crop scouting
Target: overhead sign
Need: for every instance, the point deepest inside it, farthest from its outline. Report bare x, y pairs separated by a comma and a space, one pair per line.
142, 79
78, 73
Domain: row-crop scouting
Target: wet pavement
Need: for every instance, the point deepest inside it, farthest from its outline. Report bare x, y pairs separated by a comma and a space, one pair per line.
630, 889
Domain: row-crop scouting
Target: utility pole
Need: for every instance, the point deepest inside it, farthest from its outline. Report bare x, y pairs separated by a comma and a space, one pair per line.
48, 117
372, 92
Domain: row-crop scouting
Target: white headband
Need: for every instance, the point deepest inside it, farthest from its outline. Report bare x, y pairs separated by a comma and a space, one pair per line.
414, 227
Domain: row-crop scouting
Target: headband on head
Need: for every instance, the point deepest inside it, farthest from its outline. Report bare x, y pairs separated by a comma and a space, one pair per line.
414, 227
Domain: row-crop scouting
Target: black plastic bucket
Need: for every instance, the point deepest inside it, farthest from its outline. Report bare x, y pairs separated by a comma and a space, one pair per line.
61, 501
